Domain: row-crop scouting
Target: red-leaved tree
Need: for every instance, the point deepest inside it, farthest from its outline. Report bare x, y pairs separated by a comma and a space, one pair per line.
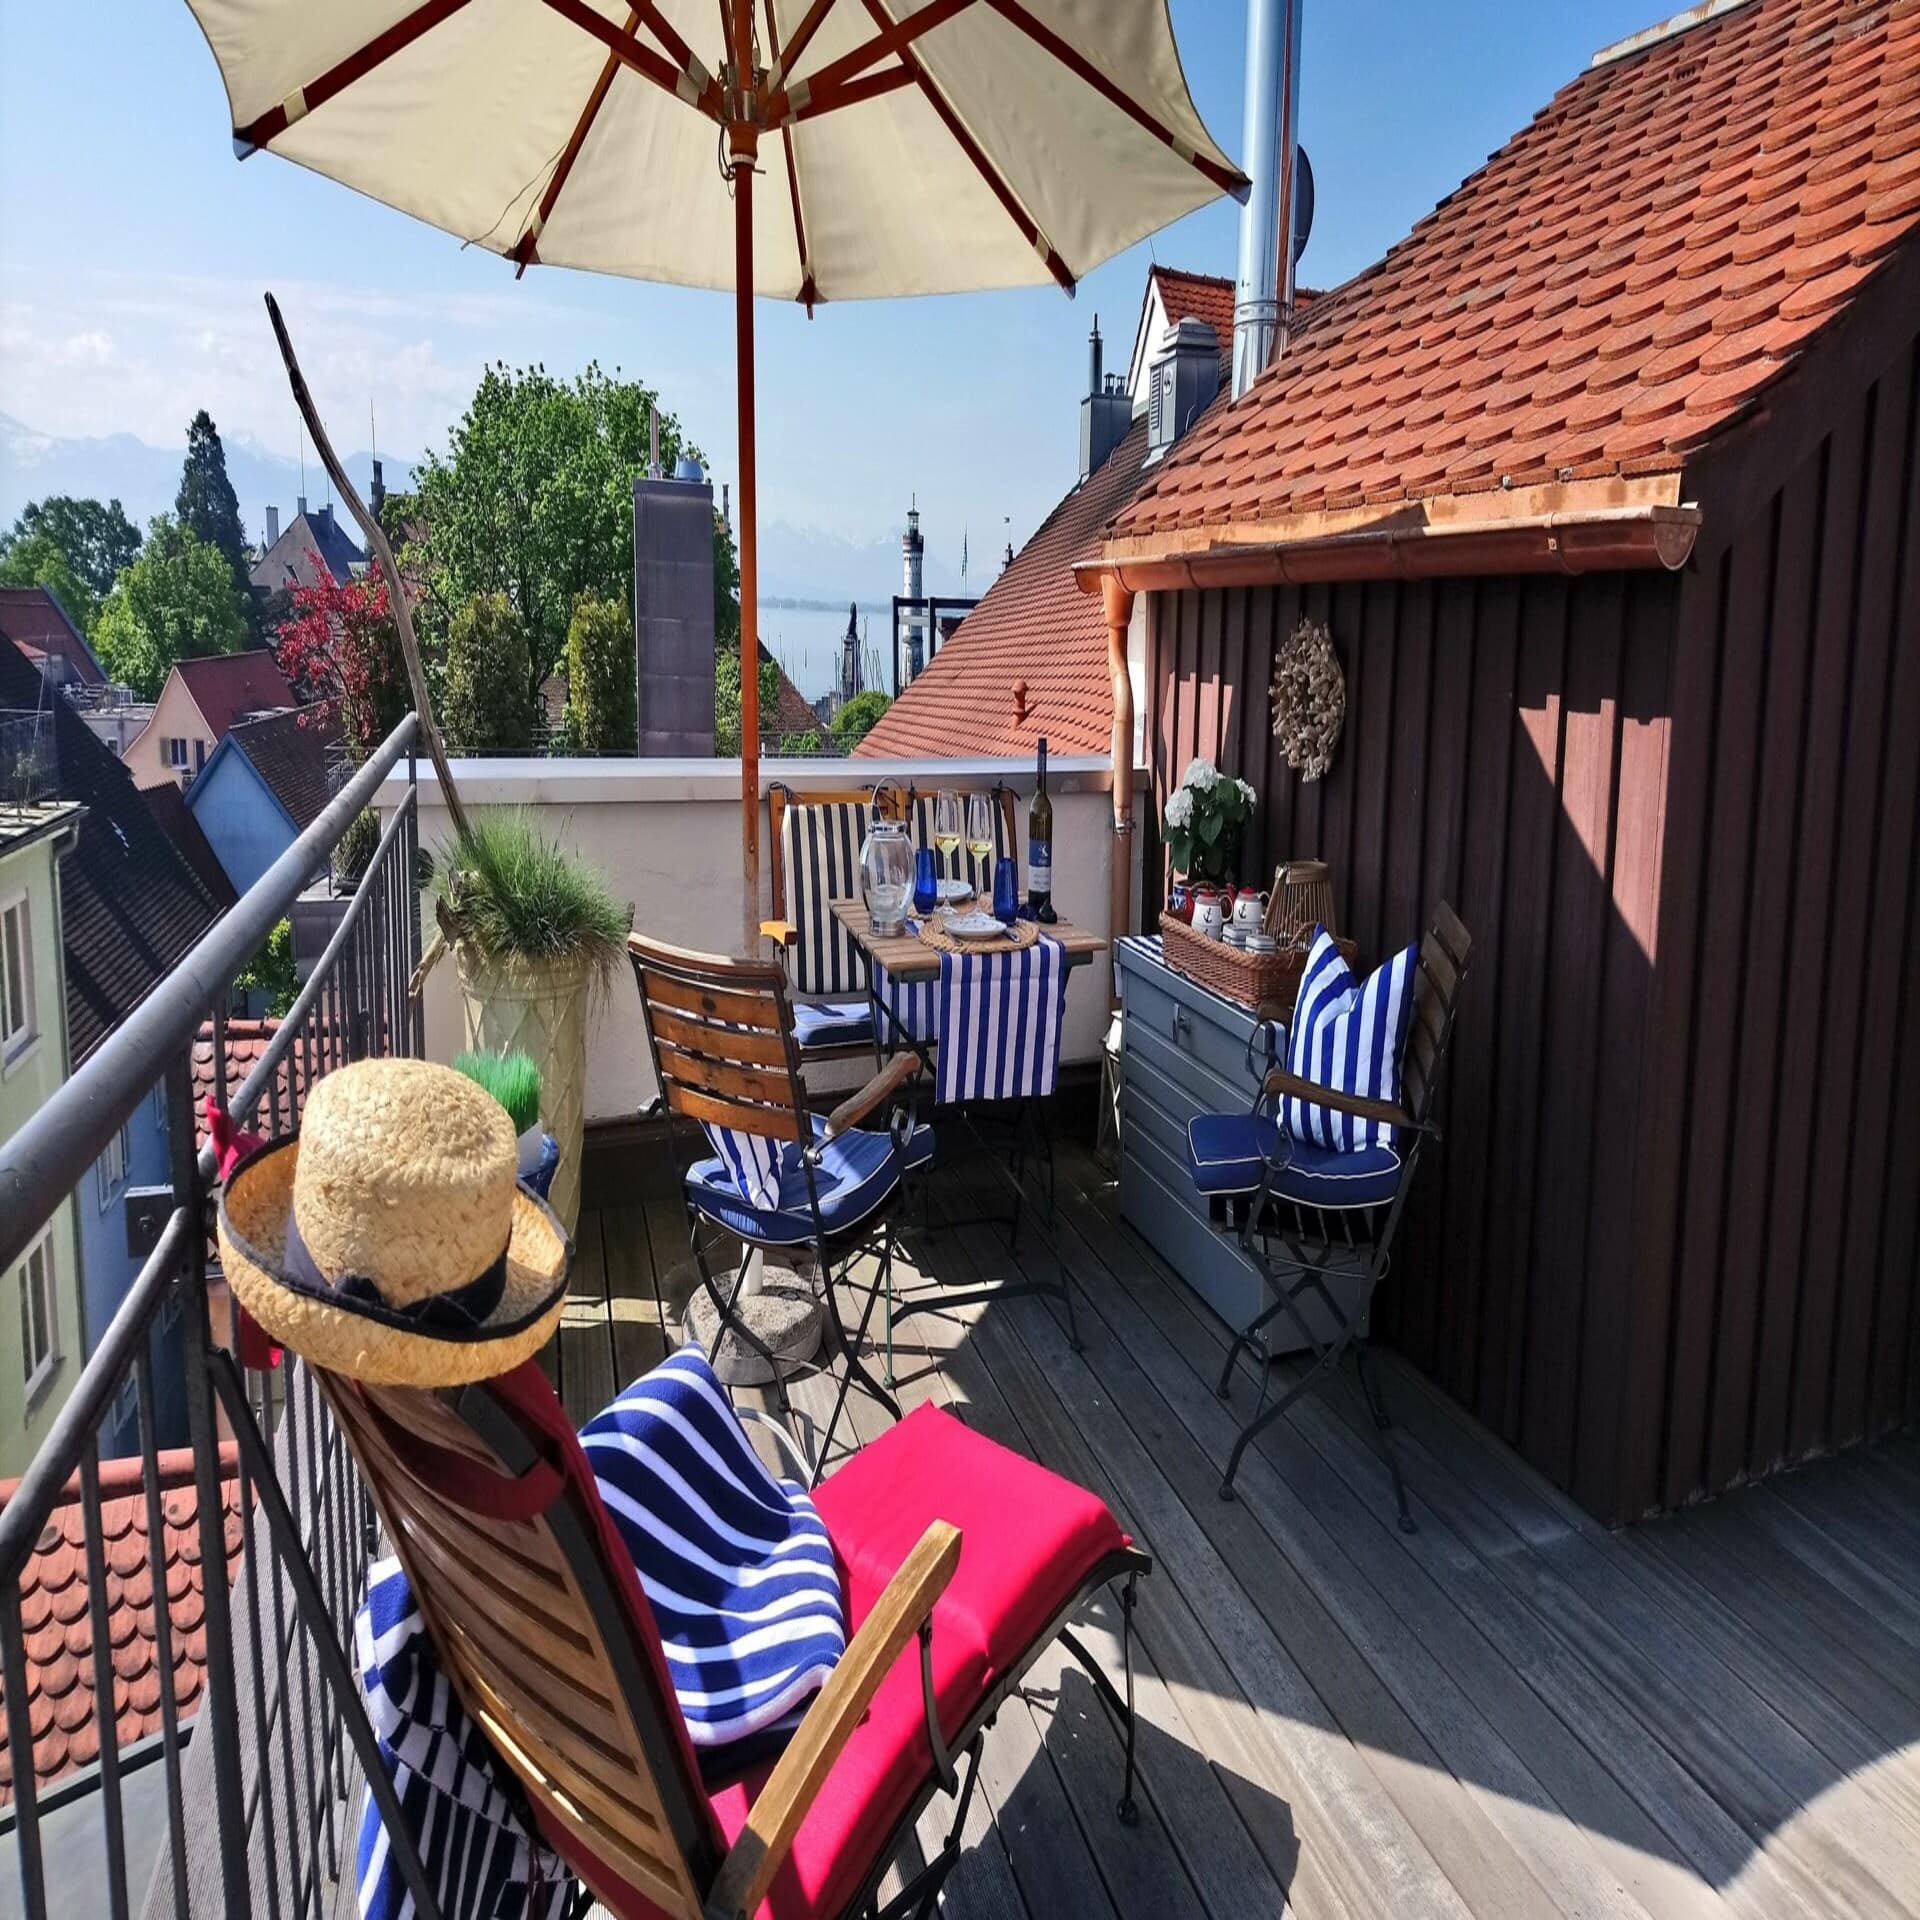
340, 643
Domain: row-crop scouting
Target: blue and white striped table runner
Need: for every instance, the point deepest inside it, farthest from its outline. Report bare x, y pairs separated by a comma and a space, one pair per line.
1000, 1023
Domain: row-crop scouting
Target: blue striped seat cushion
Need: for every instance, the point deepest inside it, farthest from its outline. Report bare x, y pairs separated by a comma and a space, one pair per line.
832, 1024
855, 1175
736, 1565
1348, 1037
1228, 1152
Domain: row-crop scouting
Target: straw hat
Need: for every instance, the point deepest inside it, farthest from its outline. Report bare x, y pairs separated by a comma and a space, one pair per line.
389, 1239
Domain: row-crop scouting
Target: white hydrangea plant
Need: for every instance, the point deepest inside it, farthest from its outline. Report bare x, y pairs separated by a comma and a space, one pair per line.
1204, 818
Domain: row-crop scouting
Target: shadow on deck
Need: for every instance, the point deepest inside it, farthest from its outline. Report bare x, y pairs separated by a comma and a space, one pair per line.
1510, 1712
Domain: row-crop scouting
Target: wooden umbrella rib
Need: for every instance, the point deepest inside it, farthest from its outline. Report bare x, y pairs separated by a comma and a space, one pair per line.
991, 174
1228, 179
868, 86
784, 61
896, 37
808, 290
343, 73
633, 54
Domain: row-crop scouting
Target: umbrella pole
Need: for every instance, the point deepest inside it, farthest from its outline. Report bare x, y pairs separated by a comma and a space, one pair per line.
742, 159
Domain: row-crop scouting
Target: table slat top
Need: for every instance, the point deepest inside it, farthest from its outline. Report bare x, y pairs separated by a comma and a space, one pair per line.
907, 957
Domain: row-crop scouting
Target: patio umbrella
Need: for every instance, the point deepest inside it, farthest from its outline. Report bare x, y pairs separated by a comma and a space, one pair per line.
959, 145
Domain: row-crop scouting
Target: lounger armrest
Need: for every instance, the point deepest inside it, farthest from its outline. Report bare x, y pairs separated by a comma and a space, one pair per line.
902, 1068
783, 933
1292, 1086
755, 1857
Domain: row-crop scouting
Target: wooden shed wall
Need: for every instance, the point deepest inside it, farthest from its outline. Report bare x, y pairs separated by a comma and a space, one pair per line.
1506, 748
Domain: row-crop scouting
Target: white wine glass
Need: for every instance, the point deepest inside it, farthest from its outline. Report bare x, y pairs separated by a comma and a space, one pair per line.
947, 827
980, 841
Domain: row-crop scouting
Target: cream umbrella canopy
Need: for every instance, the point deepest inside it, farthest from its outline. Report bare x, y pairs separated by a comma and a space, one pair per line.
956, 146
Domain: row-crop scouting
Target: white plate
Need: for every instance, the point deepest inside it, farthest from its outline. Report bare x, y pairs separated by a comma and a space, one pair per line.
975, 926
951, 890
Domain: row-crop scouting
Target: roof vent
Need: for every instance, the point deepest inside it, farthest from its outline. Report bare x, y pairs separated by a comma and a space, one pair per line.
1181, 384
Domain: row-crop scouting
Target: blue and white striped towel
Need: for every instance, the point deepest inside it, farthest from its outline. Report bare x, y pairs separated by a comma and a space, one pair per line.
1000, 1020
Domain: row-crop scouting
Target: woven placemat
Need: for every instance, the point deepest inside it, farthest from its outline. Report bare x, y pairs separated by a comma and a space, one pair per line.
933, 934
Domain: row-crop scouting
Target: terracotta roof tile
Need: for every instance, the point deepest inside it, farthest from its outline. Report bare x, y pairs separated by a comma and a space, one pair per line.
56, 1618
1684, 215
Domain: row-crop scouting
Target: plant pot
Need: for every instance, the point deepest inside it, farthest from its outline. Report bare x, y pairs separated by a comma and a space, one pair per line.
538, 1007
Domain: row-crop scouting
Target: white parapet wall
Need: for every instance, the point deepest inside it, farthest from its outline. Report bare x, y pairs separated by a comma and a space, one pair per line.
666, 833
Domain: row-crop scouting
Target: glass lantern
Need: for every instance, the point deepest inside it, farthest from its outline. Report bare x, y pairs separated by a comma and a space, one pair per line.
886, 876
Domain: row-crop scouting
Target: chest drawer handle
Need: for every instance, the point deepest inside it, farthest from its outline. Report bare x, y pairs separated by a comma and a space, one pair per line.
1182, 1022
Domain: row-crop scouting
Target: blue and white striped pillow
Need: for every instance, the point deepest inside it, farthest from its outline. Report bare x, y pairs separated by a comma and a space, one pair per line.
735, 1564
1348, 1038
752, 1159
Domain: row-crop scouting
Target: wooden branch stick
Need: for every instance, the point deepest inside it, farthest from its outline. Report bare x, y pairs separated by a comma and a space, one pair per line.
378, 547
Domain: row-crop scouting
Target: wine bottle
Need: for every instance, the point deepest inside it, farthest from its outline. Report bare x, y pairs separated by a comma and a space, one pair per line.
1040, 848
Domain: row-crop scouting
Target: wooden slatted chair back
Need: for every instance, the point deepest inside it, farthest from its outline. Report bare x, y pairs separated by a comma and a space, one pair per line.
722, 1037
508, 1564
1438, 974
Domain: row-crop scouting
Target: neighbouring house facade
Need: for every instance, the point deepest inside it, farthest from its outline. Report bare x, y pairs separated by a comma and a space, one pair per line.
265, 784
1604, 483
312, 545
37, 624
41, 1309
199, 700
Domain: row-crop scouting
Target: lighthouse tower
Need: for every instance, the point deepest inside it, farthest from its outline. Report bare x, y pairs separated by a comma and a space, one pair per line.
913, 590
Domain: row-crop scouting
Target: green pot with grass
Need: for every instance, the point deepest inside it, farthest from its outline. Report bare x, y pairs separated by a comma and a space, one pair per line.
538, 938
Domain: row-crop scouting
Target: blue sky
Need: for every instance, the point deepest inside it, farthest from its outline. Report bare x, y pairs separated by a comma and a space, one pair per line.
133, 250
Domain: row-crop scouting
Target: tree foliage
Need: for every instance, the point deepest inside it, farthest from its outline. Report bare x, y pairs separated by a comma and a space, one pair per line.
341, 642
602, 693
175, 602
726, 699
38, 560
95, 540
270, 973
489, 699
206, 503
855, 720
533, 499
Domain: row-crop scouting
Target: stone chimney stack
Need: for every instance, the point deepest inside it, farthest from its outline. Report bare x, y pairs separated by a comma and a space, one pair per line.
377, 493
273, 524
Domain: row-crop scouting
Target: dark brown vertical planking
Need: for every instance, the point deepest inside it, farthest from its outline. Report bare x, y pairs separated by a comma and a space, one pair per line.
1843, 1034
1373, 769
1792, 530
1716, 1033
1887, 962
1581, 844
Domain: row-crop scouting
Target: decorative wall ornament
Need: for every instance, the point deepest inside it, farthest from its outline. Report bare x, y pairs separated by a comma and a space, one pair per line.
1309, 699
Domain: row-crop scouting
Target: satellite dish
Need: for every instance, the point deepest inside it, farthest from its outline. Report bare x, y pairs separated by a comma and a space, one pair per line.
1302, 200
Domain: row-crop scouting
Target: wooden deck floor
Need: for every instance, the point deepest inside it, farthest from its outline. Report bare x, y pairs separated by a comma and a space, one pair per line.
1510, 1712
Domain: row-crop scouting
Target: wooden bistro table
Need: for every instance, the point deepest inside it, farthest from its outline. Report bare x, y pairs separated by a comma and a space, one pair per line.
907, 957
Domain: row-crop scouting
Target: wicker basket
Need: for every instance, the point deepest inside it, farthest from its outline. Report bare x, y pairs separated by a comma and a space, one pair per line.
1302, 899
1248, 978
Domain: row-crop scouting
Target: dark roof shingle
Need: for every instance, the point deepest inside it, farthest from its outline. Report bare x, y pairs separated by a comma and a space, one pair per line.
227, 685
290, 752
31, 617
1617, 285
168, 804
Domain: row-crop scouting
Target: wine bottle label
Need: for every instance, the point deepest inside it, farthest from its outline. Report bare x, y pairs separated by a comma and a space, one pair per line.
1039, 866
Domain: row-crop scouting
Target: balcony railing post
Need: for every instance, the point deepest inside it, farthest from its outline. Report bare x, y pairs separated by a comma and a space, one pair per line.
221, 1709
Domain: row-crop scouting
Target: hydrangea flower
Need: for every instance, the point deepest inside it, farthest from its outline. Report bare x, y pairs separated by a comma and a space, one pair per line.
1246, 792
1201, 774
1180, 809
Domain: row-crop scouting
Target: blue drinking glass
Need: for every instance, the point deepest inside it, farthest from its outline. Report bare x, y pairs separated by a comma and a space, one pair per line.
926, 882
1006, 894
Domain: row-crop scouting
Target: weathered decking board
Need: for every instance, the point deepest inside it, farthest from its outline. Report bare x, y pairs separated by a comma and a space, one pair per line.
1510, 1712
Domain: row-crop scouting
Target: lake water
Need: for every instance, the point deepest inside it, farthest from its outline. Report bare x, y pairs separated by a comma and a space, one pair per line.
806, 642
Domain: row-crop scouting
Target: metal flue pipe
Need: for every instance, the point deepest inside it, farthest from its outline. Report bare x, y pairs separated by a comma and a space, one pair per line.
1263, 289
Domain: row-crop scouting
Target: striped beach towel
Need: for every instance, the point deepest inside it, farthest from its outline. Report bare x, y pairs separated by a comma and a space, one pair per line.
1000, 1021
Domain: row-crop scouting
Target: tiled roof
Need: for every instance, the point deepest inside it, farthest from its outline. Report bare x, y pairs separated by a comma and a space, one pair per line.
1033, 625
32, 618
1197, 296
57, 1625
175, 819
130, 907
310, 541
791, 713
226, 685
246, 1042
289, 751
1619, 283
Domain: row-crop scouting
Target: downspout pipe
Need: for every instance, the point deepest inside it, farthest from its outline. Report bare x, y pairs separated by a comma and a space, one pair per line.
1117, 602
1270, 133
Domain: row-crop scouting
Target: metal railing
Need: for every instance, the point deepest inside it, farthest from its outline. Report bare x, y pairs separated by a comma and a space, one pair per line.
254, 1808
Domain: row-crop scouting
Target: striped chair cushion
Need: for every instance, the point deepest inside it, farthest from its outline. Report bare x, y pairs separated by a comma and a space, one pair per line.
735, 1564
1000, 1019
820, 859
752, 1159
1350, 1038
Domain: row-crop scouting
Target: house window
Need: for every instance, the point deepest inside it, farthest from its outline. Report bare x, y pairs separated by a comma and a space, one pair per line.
199, 755
17, 1030
175, 750
39, 1336
110, 1170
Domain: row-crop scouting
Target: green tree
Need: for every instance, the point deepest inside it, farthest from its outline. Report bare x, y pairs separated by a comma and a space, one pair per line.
206, 503
38, 560
802, 746
97, 541
270, 972
601, 689
488, 706
855, 720
726, 698
176, 602
533, 498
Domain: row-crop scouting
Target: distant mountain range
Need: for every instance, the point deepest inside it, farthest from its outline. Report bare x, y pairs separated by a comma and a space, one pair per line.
796, 563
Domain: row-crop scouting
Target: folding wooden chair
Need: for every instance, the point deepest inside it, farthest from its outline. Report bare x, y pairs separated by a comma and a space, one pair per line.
1315, 1218
547, 1639
779, 1178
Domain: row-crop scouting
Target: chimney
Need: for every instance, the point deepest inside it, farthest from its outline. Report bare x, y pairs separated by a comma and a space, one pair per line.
1263, 292
1105, 413
673, 616
377, 493
299, 505
273, 525
1181, 384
